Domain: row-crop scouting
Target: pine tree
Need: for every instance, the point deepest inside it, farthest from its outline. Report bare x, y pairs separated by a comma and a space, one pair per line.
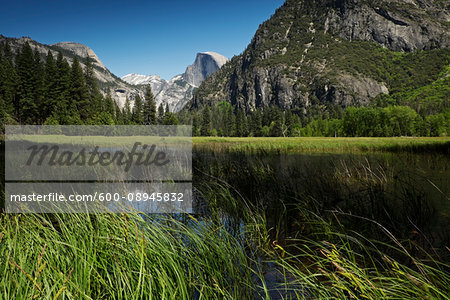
39, 88
109, 104
118, 114
137, 116
160, 113
63, 77
61, 111
50, 86
149, 107
91, 81
97, 102
288, 123
206, 122
126, 112
9, 81
229, 122
106, 115
276, 127
195, 126
167, 109
170, 119
78, 91
27, 108
256, 123
241, 123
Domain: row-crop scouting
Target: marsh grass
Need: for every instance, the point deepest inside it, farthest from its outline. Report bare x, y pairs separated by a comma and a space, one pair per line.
131, 256
334, 263
323, 253
275, 145
81, 256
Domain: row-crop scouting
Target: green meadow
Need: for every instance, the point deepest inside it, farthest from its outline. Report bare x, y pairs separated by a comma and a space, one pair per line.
266, 144
320, 144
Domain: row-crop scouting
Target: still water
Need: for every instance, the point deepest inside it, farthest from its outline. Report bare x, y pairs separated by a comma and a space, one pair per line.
404, 192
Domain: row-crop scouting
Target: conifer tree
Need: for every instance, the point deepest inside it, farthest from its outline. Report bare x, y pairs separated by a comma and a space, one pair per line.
61, 111
137, 116
109, 103
27, 108
170, 119
63, 77
288, 123
78, 91
10, 81
97, 102
160, 113
229, 122
256, 123
276, 127
206, 122
91, 81
50, 86
195, 126
149, 107
118, 114
241, 122
126, 112
38, 88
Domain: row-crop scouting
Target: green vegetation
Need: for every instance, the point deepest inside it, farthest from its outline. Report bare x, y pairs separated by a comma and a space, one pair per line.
72, 256
52, 92
75, 256
389, 121
318, 64
104, 141
321, 145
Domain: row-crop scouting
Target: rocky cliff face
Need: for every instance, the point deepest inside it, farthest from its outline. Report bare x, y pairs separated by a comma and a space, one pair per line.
180, 89
80, 50
402, 25
206, 63
340, 52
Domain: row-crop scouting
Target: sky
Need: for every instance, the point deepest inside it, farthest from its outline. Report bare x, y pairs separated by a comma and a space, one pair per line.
143, 37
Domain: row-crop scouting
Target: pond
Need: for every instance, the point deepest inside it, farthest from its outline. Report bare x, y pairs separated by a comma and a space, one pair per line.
404, 192
376, 196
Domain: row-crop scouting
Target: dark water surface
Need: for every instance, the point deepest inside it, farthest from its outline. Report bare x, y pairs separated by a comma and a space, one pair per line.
402, 191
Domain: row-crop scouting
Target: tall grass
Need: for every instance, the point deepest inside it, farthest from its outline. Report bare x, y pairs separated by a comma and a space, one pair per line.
274, 145
327, 256
332, 263
81, 256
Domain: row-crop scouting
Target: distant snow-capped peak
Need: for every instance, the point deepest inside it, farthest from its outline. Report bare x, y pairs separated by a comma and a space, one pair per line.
139, 79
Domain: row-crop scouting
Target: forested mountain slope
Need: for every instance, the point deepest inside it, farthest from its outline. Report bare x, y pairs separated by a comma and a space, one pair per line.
314, 55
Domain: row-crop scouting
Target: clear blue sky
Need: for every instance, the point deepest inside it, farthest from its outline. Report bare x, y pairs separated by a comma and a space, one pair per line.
145, 37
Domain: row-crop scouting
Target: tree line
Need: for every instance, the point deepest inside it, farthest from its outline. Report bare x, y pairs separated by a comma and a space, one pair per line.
50, 91
396, 120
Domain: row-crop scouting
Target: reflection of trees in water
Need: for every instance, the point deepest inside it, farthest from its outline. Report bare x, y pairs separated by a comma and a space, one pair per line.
405, 193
